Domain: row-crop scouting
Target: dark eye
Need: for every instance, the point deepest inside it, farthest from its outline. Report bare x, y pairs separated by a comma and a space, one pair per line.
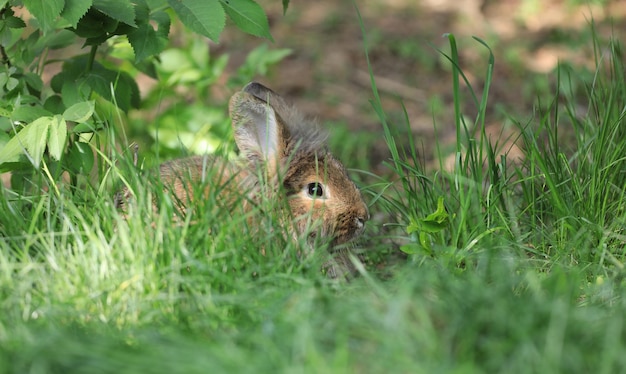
315, 189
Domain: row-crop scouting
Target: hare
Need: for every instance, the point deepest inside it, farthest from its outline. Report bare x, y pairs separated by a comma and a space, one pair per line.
280, 153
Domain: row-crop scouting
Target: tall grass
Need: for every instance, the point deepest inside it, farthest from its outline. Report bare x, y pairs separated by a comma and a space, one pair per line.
522, 271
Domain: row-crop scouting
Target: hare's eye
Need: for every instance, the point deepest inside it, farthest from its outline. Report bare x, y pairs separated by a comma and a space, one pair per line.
315, 189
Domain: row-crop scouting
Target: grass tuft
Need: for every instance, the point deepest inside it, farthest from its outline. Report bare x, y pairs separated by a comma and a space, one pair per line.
513, 266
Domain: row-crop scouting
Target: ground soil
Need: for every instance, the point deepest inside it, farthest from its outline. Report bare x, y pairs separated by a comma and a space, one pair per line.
326, 75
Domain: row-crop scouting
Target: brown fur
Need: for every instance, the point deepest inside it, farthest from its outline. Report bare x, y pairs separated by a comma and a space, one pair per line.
274, 139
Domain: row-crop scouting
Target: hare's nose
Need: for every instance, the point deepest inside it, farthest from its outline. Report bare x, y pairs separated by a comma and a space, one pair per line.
360, 222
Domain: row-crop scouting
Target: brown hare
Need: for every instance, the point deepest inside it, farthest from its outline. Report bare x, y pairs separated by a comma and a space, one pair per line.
284, 154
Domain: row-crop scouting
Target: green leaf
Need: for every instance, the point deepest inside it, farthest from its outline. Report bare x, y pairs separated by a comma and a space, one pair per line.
205, 17
436, 221
57, 40
410, 249
95, 24
33, 81
74, 91
433, 223
125, 91
120, 10
57, 138
36, 138
84, 127
31, 139
258, 62
412, 227
248, 16
146, 42
14, 22
79, 112
163, 21
46, 12
27, 113
54, 104
80, 158
285, 6
425, 241
74, 10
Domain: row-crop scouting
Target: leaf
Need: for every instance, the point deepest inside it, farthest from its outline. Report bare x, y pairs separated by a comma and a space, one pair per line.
248, 16
74, 91
117, 87
95, 24
57, 40
14, 22
120, 10
425, 241
433, 223
79, 112
163, 21
436, 221
146, 42
205, 17
57, 137
27, 113
410, 249
80, 158
31, 139
74, 10
285, 6
46, 12
412, 227
36, 137
33, 81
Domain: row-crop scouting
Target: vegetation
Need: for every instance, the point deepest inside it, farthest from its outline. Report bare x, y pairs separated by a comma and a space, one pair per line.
498, 265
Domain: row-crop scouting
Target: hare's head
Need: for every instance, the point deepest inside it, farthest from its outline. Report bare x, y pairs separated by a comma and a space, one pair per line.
276, 140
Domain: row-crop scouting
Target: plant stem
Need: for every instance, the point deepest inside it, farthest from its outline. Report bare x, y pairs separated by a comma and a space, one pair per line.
92, 57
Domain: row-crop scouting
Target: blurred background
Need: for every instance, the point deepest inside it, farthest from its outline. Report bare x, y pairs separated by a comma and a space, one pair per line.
326, 73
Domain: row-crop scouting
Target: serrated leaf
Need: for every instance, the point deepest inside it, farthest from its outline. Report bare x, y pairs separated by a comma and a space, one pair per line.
156, 4
57, 137
205, 17
13, 149
248, 16
120, 10
35, 139
145, 42
79, 112
116, 87
14, 22
46, 12
163, 21
31, 139
74, 10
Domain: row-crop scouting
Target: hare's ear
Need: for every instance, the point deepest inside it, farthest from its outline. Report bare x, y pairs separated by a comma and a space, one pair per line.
259, 132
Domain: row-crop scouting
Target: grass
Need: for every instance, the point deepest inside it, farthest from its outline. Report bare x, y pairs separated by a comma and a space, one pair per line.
523, 273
